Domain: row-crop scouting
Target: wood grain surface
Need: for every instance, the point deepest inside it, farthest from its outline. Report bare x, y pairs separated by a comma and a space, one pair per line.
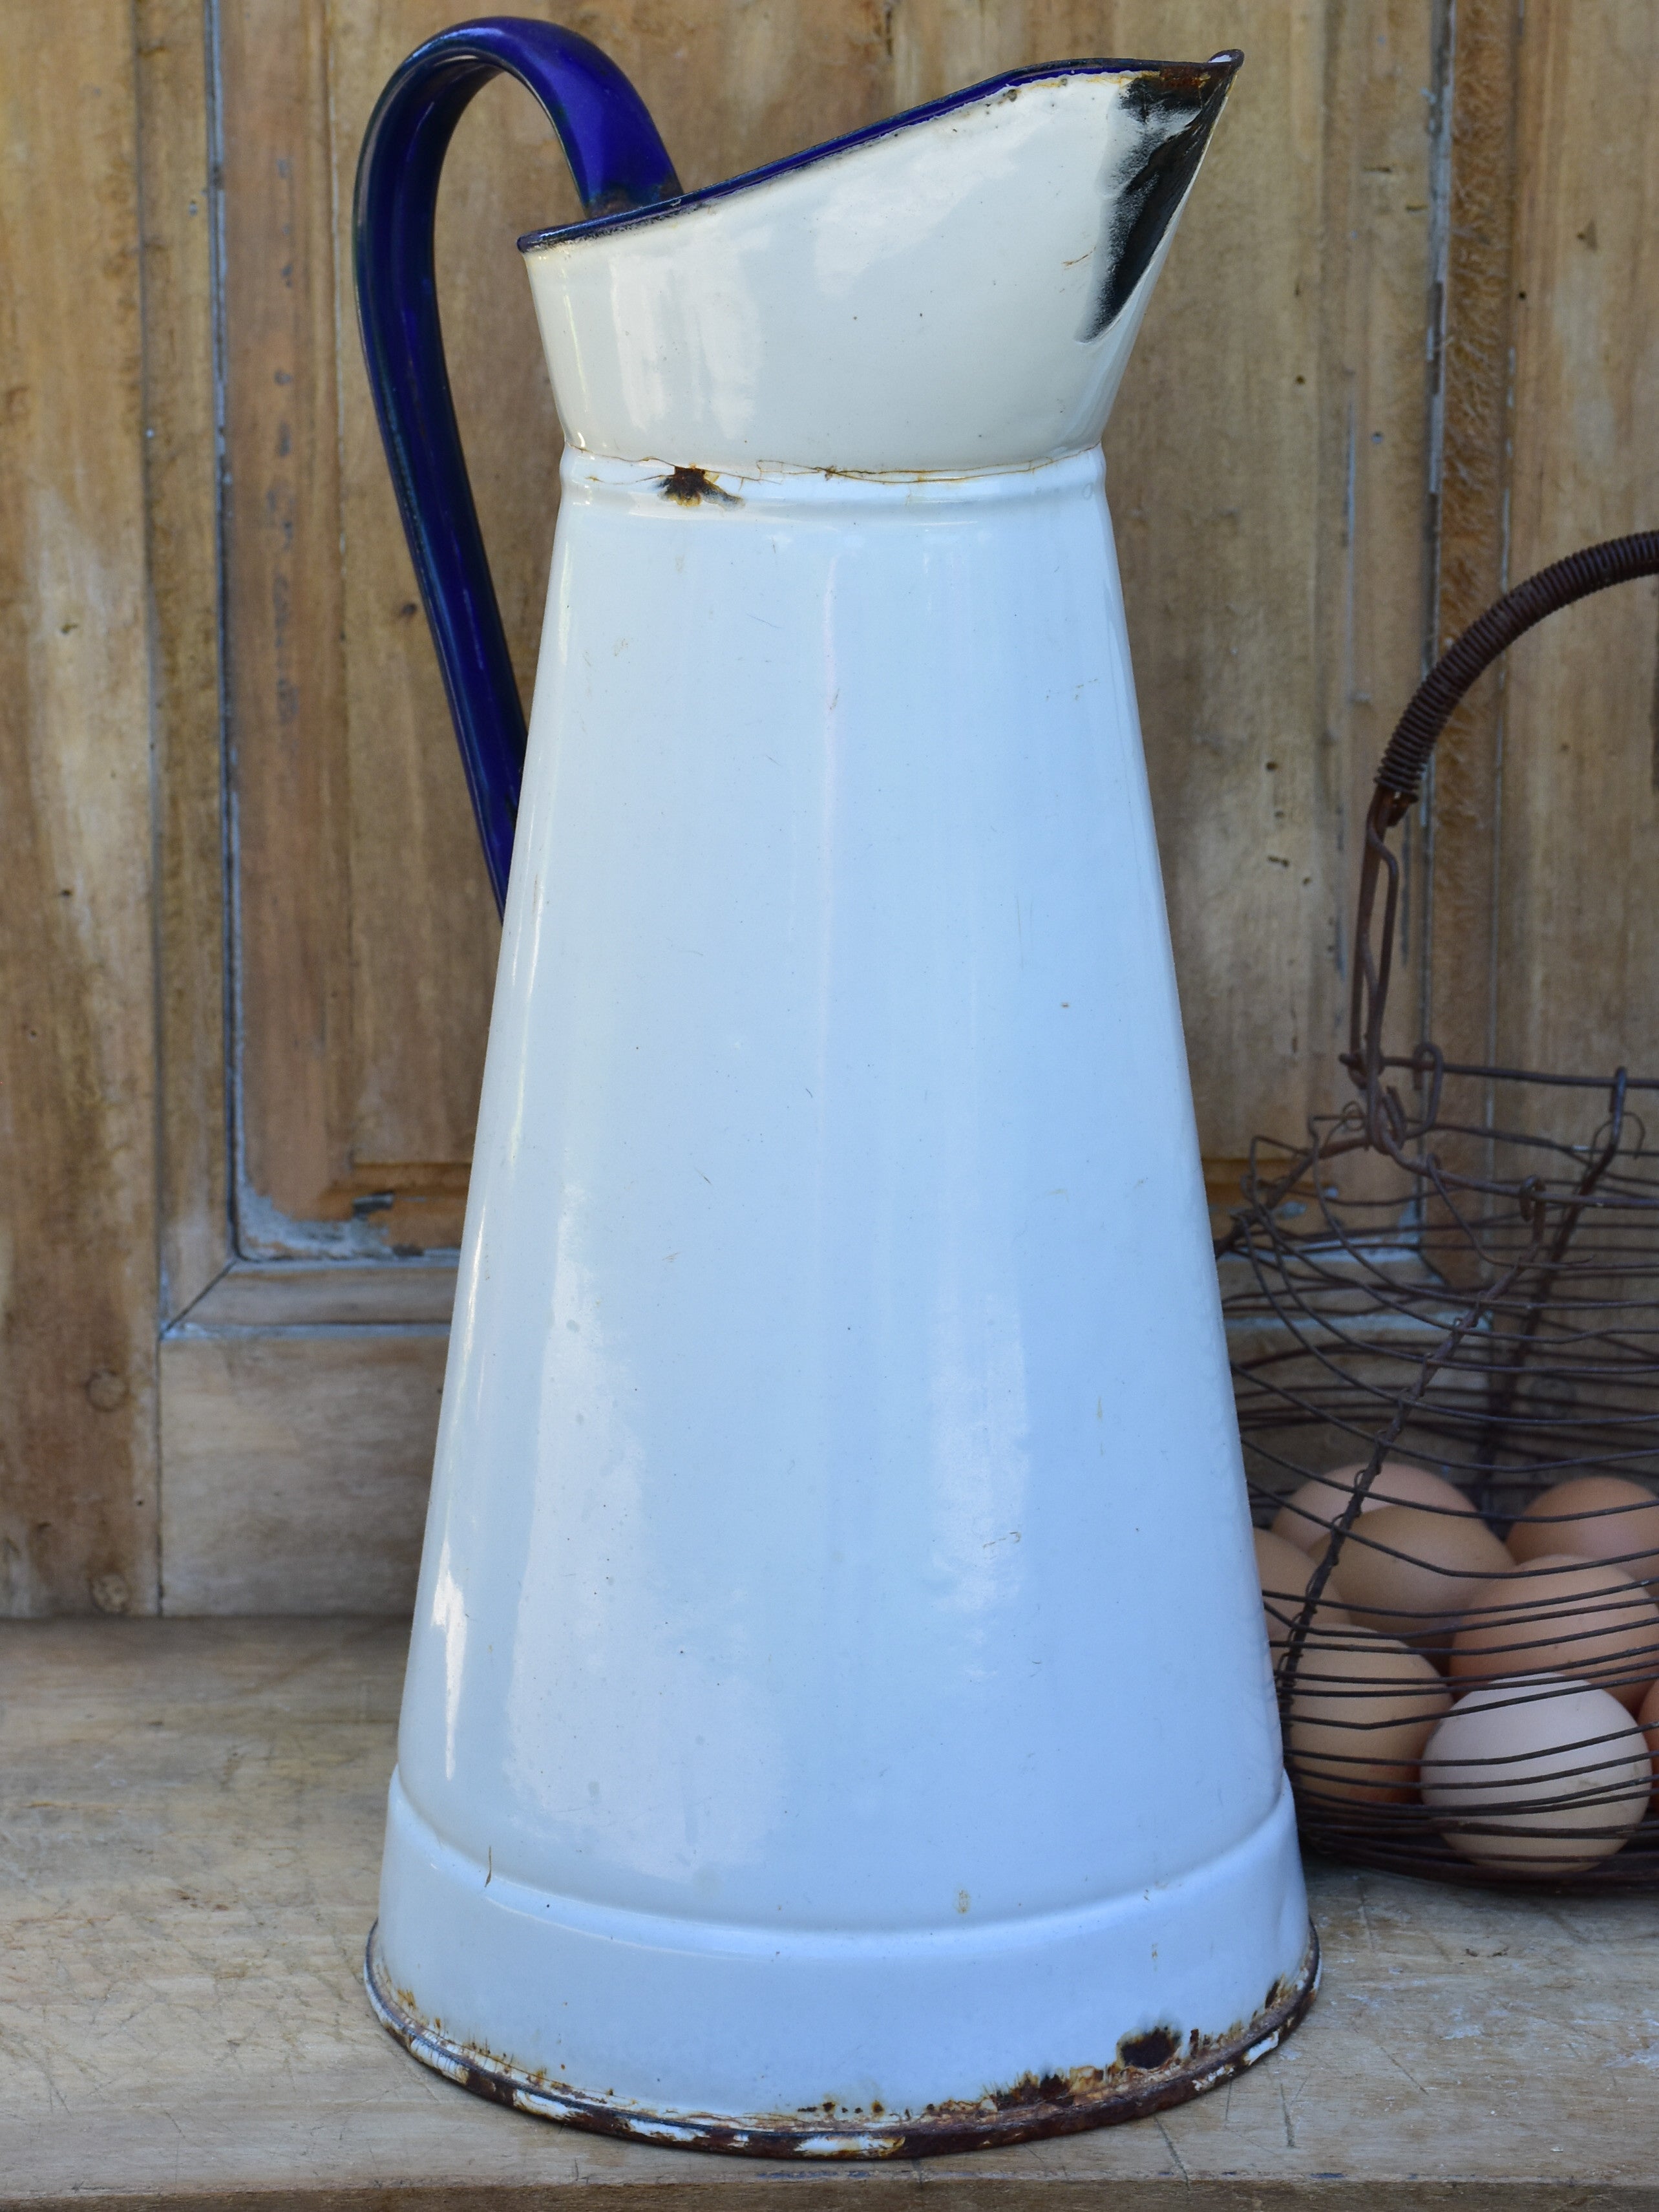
296, 1465
78, 1067
193, 1817
181, 498
1471, 500
1577, 894
285, 701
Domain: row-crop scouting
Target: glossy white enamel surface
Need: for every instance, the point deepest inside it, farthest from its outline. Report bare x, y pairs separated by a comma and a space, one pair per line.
920, 301
838, 1663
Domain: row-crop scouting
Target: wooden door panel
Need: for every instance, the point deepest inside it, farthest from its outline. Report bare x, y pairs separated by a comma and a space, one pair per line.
1267, 470
283, 619
1275, 580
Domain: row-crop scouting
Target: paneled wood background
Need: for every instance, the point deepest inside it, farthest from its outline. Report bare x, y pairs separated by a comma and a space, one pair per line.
1404, 351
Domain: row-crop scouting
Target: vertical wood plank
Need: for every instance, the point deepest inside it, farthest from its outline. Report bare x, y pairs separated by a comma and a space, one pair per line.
1579, 884
77, 1293
282, 615
1221, 536
1376, 272
181, 492
1472, 543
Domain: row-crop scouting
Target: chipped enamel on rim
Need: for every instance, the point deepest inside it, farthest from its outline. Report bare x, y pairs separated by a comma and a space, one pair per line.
1020, 2115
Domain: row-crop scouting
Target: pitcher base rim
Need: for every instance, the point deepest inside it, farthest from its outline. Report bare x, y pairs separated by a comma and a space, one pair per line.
1031, 2108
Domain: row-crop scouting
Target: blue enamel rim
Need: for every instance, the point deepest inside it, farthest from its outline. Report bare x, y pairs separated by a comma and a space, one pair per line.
1198, 77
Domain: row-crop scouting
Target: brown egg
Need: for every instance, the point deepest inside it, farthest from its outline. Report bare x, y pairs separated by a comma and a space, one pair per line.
1414, 1574
1561, 1616
1553, 1781
1362, 1708
1284, 1574
1594, 1517
1305, 1518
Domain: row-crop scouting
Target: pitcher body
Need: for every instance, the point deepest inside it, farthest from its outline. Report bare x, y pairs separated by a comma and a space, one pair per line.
839, 1719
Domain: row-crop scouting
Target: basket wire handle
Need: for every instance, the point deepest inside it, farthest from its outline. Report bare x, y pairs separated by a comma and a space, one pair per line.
1399, 779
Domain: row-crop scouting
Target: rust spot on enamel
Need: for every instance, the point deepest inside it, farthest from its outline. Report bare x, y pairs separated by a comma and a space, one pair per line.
690, 487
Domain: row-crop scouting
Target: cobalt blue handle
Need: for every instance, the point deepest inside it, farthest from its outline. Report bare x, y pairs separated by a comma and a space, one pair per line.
617, 162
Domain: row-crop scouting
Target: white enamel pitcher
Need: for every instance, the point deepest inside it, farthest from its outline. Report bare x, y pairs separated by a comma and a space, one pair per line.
839, 1721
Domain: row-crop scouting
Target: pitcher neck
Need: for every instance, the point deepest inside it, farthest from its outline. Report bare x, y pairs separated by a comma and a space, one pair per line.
959, 293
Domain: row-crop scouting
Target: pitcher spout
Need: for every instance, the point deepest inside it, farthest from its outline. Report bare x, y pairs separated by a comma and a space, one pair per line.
1178, 107
957, 288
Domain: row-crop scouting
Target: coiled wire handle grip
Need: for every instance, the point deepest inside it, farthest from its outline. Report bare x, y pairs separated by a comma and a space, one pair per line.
1399, 779
618, 163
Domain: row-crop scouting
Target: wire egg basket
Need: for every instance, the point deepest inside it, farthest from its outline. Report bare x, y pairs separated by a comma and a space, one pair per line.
1446, 1303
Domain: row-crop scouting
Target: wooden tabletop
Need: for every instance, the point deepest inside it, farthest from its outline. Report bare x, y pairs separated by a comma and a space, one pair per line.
190, 1837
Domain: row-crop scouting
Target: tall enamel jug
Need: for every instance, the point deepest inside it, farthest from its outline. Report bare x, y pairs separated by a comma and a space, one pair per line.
838, 1719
